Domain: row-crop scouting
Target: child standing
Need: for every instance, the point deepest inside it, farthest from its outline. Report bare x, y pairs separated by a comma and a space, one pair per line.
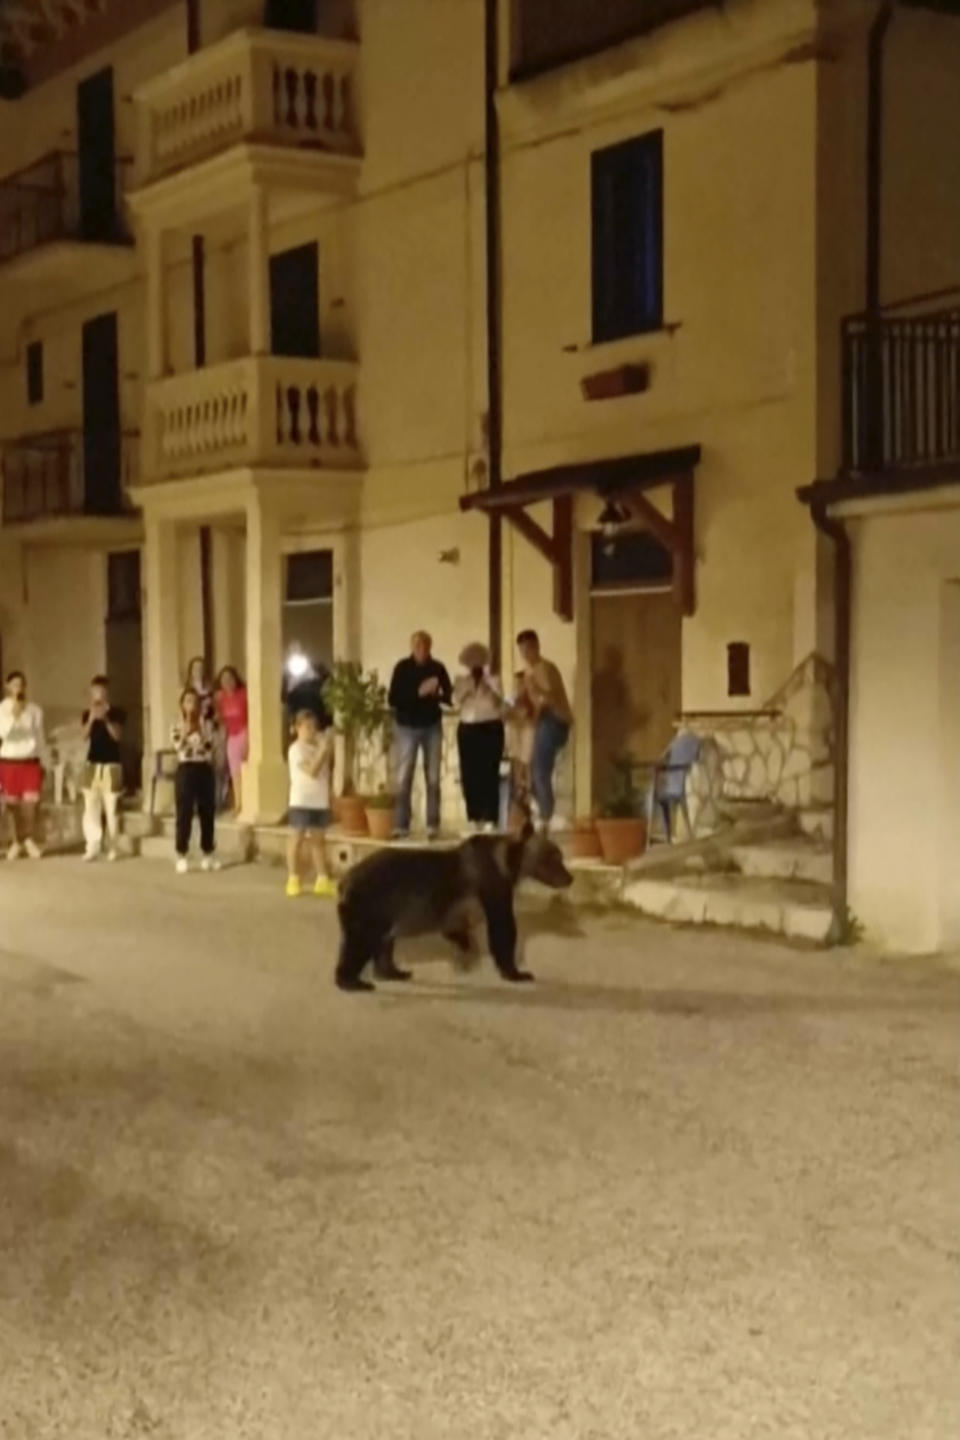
310, 758
195, 787
103, 775
232, 709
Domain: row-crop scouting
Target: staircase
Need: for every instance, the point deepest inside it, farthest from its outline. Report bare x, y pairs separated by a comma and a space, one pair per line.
770, 870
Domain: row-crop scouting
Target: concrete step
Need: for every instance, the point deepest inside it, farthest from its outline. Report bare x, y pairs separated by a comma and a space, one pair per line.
817, 823
796, 859
234, 841
795, 909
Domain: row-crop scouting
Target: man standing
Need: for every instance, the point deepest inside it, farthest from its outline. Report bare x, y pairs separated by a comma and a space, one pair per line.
418, 688
103, 776
21, 770
546, 696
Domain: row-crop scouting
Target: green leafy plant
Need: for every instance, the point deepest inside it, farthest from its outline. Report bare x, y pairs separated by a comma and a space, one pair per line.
848, 929
383, 800
358, 703
624, 799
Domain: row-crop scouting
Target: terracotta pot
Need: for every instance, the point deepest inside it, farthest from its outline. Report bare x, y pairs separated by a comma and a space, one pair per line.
381, 821
337, 808
621, 839
584, 841
353, 815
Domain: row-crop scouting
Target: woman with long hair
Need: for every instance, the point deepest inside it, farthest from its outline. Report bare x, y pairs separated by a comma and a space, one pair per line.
231, 702
195, 786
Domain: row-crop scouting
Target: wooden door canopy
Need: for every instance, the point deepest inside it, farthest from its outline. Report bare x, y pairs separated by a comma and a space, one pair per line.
626, 479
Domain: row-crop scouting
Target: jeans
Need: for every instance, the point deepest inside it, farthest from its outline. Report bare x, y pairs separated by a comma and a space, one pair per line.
549, 739
481, 750
409, 741
195, 789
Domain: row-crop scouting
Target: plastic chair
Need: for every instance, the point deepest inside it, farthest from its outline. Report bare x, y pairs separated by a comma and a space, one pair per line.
667, 788
164, 768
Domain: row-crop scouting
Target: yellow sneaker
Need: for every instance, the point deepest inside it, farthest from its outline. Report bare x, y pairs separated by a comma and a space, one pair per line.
293, 886
325, 887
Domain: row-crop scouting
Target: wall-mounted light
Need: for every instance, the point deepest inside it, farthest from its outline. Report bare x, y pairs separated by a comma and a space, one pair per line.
611, 517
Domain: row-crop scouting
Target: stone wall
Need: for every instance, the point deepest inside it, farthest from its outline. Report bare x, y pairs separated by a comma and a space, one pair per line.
783, 752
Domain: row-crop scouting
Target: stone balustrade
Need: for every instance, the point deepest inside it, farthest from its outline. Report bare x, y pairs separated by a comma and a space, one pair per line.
268, 410
264, 86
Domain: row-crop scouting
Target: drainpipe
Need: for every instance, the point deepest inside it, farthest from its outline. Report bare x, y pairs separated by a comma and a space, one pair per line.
873, 433
494, 314
841, 645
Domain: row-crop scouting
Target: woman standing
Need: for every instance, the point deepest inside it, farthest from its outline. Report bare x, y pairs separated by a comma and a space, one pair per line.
479, 698
193, 739
198, 679
22, 747
231, 697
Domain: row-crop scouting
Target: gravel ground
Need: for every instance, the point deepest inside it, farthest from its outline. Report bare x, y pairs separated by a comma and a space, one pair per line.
688, 1185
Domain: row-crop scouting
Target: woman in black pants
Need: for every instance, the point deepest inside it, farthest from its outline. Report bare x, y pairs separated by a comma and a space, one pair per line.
479, 698
195, 786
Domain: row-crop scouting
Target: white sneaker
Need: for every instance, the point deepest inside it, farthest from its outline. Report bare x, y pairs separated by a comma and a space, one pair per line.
489, 828
558, 825
33, 849
14, 852
209, 862
89, 855
182, 866
111, 856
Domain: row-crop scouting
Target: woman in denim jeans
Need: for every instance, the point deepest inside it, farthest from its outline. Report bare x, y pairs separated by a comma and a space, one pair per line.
546, 696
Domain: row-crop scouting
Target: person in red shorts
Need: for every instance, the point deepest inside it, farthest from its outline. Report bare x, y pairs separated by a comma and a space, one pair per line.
21, 764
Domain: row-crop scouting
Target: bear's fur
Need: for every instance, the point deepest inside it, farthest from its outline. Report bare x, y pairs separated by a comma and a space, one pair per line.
397, 893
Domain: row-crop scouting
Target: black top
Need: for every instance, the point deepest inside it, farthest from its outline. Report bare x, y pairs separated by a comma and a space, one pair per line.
307, 694
102, 748
415, 711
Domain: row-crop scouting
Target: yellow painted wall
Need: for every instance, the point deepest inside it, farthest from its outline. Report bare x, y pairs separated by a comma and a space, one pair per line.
905, 728
66, 603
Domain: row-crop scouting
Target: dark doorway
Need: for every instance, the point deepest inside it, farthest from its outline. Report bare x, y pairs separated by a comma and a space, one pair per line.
299, 15
101, 417
95, 142
295, 302
124, 650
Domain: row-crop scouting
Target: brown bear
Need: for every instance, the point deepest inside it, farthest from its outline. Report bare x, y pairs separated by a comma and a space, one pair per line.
397, 893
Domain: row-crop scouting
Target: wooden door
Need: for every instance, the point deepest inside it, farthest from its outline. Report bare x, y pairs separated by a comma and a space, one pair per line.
101, 416
635, 678
95, 143
294, 302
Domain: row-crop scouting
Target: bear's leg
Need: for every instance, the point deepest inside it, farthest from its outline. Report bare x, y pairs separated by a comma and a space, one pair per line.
502, 936
384, 965
461, 937
355, 951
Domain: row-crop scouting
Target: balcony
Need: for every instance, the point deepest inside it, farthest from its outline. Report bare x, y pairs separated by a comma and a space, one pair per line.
45, 477
270, 411
901, 387
281, 101
51, 210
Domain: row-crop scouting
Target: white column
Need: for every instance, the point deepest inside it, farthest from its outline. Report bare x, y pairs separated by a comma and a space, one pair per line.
265, 774
162, 659
156, 304
259, 274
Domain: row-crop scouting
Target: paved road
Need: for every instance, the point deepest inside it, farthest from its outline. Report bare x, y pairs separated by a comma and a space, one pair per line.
689, 1185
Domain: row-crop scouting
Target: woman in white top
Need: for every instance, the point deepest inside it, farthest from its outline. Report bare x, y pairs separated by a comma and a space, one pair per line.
22, 747
479, 698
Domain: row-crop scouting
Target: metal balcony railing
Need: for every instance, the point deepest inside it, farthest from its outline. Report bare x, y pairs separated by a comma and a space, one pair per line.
44, 475
901, 386
48, 201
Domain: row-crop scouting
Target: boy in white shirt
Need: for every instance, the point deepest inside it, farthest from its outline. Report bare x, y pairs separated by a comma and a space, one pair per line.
310, 758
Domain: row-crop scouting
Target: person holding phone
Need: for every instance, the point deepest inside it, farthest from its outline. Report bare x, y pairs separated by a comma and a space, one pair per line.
22, 746
419, 687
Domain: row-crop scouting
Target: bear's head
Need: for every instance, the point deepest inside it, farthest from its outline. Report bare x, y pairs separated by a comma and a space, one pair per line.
542, 860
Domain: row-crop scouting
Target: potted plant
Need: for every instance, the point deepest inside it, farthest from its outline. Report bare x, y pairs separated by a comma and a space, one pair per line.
621, 826
381, 814
584, 840
358, 703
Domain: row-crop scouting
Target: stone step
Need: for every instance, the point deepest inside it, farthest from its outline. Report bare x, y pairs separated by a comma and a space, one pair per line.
797, 859
795, 909
817, 823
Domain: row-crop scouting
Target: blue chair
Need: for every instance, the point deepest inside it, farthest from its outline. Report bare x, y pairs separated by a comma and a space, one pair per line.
667, 785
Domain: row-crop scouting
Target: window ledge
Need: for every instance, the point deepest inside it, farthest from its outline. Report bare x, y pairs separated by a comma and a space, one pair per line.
623, 342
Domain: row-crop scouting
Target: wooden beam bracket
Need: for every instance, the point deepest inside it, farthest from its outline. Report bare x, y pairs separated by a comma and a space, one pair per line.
556, 549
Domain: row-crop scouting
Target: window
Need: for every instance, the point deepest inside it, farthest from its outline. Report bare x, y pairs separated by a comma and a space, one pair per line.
309, 577
738, 668
35, 372
629, 560
627, 205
